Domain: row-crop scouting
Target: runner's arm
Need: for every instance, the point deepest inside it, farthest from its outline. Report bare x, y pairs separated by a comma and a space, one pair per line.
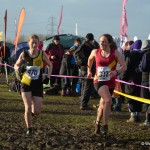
48, 63
90, 62
123, 66
19, 62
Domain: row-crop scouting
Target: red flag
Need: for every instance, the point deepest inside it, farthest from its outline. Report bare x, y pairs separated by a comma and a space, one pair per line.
123, 23
58, 29
5, 26
20, 23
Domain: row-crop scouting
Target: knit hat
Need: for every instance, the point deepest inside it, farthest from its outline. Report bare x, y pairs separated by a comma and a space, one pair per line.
136, 45
56, 37
145, 45
90, 36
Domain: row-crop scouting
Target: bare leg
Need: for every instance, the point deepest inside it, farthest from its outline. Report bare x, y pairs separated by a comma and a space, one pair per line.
100, 111
27, 99
99, 116
36, 105
106, 103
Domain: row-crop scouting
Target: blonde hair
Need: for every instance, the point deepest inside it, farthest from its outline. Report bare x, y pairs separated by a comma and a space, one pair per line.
32, 36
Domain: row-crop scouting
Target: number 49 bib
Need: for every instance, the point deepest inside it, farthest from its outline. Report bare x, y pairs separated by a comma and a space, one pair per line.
103, 73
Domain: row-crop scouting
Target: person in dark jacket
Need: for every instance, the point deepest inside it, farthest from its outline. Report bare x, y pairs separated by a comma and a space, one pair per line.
127, 48
55, 52
5, 58
126, 54
132, 74
87, 84
69, 68
145, 68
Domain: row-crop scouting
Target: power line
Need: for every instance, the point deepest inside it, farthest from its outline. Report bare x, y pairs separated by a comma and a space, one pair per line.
51, 26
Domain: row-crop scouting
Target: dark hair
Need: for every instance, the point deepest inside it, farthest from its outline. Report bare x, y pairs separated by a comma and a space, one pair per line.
90, 36
110, 40
78, 40
129, 43
56, 37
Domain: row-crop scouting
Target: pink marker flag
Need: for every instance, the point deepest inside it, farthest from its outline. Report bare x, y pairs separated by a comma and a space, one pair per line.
20, 23
58, 29
123, 22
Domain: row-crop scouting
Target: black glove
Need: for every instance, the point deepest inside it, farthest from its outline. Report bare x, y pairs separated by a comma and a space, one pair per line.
46, 80
20, 72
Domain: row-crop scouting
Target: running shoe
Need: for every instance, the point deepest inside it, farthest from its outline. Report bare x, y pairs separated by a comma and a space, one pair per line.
86, 108
29, 131
97, 128
105, 129
145, 124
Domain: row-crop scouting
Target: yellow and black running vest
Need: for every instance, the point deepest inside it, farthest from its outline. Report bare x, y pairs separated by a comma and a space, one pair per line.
36, 62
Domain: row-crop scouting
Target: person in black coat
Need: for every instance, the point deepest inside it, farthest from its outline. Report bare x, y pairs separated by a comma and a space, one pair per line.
132, 74
144, 67
69, 68
87, 84
4, 58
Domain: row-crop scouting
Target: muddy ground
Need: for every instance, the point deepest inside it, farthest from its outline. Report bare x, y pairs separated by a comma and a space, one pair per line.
63, 126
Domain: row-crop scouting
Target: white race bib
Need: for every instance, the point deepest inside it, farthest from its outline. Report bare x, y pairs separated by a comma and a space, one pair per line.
33, 72
103, 73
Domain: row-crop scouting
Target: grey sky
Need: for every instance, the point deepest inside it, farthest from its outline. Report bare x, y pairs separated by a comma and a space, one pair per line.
96, 16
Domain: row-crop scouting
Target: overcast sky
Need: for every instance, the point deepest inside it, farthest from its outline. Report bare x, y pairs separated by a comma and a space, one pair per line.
95, 16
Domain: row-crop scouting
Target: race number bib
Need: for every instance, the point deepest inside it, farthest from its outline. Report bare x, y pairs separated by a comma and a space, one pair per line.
33, 72
103, 73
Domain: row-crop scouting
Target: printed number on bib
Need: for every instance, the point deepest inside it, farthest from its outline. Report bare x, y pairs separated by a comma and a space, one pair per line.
103, 73
33, 72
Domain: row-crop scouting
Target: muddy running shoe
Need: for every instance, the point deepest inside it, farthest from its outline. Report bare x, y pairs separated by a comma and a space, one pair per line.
105, 129
97, 127
145, 124
131, 120
86, 108
29, 131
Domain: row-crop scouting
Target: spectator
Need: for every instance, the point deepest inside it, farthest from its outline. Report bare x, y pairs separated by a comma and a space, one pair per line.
117, 99
87, 84
55, 52
0, 57
5, 58
144, 67
132, 74
127, 48
69, 68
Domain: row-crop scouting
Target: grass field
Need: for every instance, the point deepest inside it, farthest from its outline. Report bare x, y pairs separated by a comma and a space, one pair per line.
63, 126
